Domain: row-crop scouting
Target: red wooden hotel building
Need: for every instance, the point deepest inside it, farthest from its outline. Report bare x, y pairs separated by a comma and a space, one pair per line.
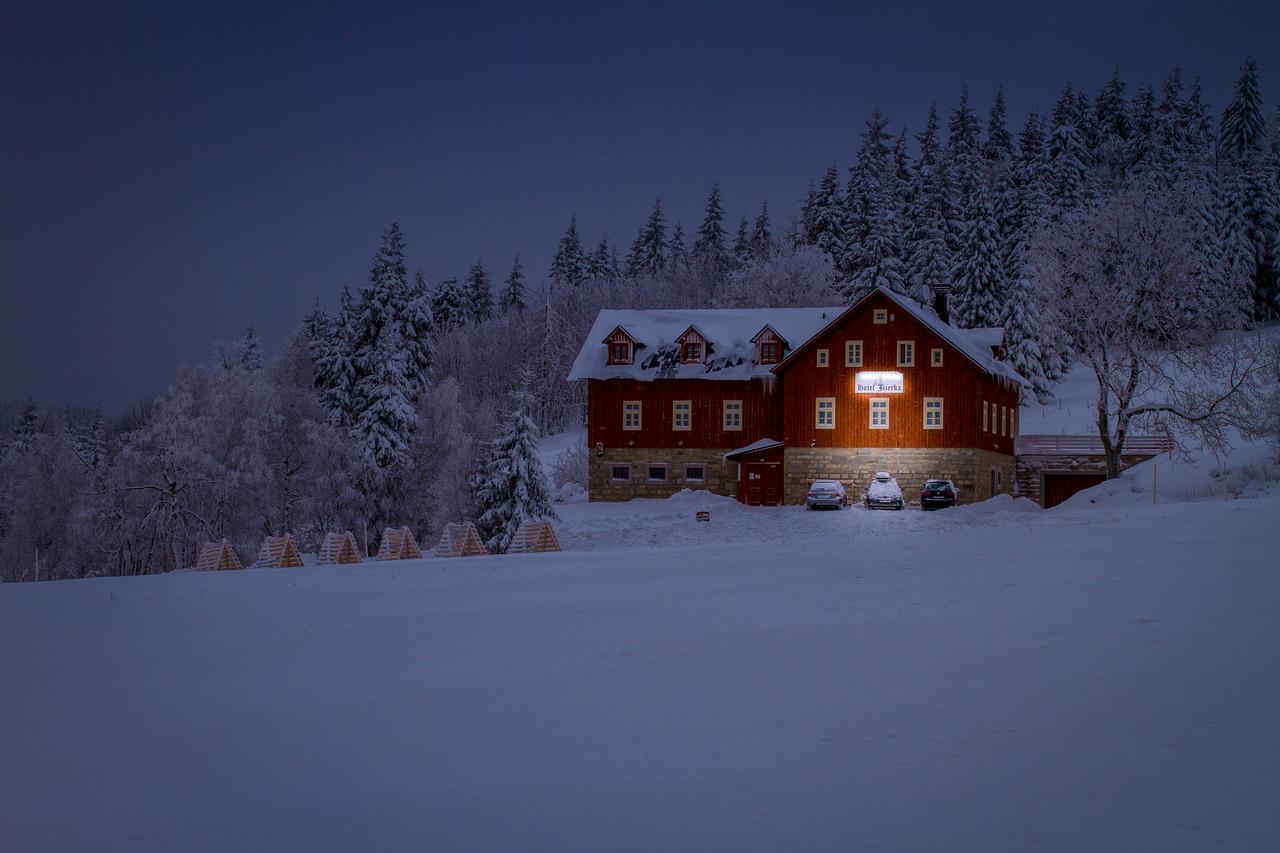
757, 403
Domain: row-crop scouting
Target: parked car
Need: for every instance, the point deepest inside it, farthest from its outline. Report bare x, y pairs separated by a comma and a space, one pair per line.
826, 493
937, 493
883, 493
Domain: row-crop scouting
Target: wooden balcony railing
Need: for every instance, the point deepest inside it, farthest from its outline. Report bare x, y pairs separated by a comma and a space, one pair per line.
1045, 445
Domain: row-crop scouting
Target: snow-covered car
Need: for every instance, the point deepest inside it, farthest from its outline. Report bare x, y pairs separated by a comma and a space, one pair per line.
883, 493
937, 493
825, 493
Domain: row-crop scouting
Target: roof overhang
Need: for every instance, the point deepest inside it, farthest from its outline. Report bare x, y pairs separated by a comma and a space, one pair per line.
762, 446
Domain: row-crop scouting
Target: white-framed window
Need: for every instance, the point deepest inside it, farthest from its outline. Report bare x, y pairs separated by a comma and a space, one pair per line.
984, 416
824, 358
695, 473
631, 415
692, 352
620, 352
935, 356
906, 353
879, 412
657, 472
620, 473
682, 415
880, 316
826, 413
933, 413
853, 353
733, 415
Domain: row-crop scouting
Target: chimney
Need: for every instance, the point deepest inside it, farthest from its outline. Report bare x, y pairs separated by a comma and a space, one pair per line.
940, 304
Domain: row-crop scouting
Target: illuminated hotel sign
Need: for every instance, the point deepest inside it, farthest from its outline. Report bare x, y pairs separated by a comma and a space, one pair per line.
878, 382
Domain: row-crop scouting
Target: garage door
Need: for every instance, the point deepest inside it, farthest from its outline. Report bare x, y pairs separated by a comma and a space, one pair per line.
1059, 487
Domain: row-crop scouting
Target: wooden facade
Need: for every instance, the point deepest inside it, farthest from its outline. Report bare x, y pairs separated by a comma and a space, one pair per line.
761, 412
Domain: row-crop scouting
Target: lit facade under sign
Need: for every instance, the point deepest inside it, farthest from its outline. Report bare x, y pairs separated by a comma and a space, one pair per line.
878, 382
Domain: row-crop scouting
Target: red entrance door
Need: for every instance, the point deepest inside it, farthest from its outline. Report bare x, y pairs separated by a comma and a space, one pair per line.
763, 482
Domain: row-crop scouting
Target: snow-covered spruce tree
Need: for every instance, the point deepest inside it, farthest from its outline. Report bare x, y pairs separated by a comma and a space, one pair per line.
1069, 161
709, 256
479, 293
998, 146
761, 234
251, 350
979, 266
569, 266
741, 244
513, 292
449, 305
601, 266
678, 257
1243, 126
331, 347
649, 251
387, 416
826, 229
1023, 331
510, 485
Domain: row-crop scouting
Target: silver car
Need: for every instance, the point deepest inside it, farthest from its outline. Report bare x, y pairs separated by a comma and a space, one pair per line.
826, 494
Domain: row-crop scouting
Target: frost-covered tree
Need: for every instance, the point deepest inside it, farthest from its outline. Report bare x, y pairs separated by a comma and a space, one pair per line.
332, 346
1243, 127
741, 244
826, 229
979, 267
513, 292
649, 251
479, 293
761, 233
1023, 332
709, 251
569, 266
449, 305
511, 486
678, 257
250, 350
998, 146
602, 265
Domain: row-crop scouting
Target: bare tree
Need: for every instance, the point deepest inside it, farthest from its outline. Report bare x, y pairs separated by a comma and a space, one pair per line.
1117, 277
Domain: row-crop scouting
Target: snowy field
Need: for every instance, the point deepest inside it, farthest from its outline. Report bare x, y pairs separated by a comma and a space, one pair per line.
1097, 677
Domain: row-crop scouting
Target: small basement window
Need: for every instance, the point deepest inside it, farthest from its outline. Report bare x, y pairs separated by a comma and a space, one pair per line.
621, 474
935, 357
695, 473
657, 473
880, 316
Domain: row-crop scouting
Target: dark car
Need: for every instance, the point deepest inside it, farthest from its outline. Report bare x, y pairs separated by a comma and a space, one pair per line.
937, 493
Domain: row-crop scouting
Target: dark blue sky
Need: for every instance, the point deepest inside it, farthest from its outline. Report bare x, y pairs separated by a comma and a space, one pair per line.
168, 176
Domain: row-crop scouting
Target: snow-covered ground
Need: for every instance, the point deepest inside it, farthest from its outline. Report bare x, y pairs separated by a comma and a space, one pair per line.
1096, 677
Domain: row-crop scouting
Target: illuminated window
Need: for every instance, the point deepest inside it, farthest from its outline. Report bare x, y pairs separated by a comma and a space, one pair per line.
681, 414
853, 353
906, 353
933, 413
826, 413
733, 415
824, 357
879, 412
935, 357
631, 414
880, 316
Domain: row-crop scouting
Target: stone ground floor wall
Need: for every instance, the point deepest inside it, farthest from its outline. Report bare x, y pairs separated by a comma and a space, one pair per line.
721, 477
969, 469
1032, 468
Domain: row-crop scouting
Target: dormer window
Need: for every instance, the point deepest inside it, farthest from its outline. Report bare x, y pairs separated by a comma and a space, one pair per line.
693, 346
769, 346
621, 346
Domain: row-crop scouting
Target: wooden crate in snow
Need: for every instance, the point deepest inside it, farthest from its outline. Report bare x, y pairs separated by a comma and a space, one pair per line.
339, 548
460, 540
398, 544
533, 536
279, 552
216, 556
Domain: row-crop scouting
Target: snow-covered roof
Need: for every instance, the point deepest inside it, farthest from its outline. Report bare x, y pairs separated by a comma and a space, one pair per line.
754, 447
992, 336
728, 331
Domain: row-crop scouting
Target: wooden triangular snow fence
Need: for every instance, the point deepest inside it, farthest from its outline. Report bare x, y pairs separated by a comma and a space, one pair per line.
215, 556
339, 548
279, 552
460, 540
533, 535
398, 544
